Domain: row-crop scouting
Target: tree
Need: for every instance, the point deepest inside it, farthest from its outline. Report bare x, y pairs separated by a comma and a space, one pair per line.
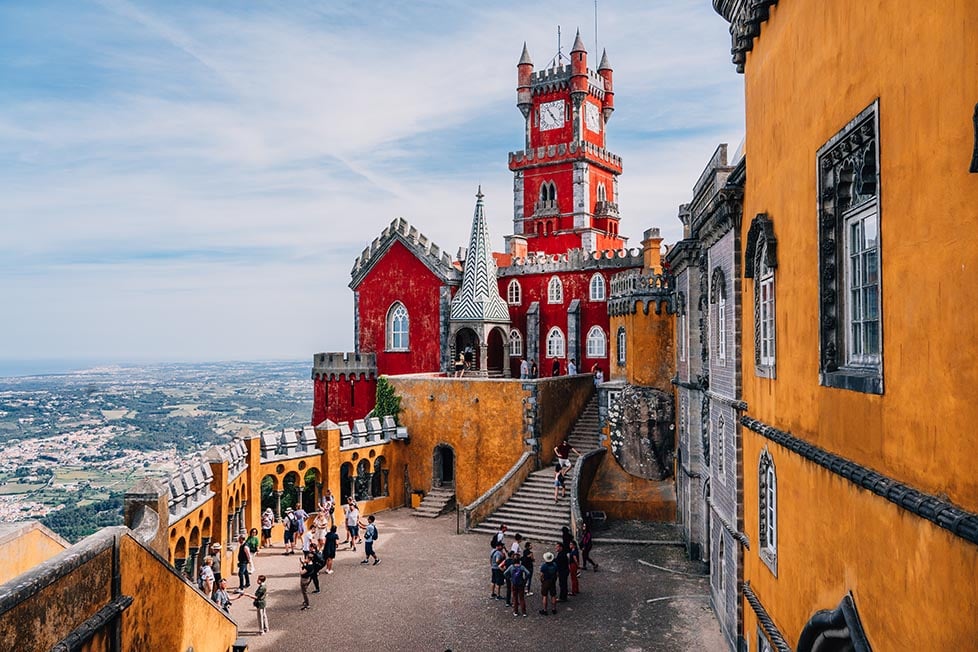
387, 403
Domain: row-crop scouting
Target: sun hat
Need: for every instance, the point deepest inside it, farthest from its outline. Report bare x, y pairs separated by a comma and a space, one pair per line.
216, 545
548, 556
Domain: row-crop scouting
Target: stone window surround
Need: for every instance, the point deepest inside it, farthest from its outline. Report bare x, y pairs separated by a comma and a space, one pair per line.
597, 288
555, 290
556, 344
767, 508
514, 293
597, 336
718, 298
760, 263
515, 344
397, 315
621, 346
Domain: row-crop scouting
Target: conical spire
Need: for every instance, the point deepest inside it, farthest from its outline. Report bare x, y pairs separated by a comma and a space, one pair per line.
578, 43
478, 299
604, 65
525, 57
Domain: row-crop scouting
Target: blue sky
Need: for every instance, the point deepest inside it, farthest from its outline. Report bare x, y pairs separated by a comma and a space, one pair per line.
193, 180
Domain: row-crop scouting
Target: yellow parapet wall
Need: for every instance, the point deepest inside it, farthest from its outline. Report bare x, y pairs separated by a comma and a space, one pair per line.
25, 545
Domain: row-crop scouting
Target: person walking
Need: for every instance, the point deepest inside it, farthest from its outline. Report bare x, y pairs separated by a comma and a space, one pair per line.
329, 551
260, 603
517, 581
559, 472
244, 561
291, 524
352, 523
548, 583
216, 551
563, 451
460, 365
563, 571
370, 534
267, 521
572, 367
206, 581
253, 543
598, 374
307, 569
328, 506
497, 559
524, 369
555, 369
318, 561
573, 563
587, 542
534, 371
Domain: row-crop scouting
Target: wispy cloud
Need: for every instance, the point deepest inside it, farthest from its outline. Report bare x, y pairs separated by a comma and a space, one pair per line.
167, 165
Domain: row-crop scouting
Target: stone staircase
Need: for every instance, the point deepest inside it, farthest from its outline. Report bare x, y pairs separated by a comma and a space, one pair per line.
435, 503
532, 511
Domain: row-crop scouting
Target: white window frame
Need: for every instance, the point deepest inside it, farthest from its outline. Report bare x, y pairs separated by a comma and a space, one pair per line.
555, 343
555, 290
767, 504
857, 305
514, 293
597, 343
721, 444
721, 327
515, 344
622, 344
398, 338
597, 288
767, 325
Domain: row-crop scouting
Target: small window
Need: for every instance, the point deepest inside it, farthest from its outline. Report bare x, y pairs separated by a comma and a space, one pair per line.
515, 344
596, 343
555, 343
760, 263
722, 563
718, 324
514, 293
597, 288
681, 331
721, 444
555, 290
767, 492
397, 328
621, 346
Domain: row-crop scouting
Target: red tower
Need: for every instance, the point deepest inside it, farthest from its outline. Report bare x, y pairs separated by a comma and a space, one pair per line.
566, 182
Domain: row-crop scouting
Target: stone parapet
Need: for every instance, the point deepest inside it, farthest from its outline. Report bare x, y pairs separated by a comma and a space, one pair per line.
329, 366
574, 260
190, 487
575, 151
635, 286
288, 444
440, 262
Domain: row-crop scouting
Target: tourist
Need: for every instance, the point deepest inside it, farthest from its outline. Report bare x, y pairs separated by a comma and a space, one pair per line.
559, 481
206, 581
598, 374
496, 560
524, 369
253, 542
329, 552
534, 372
318, 560
221, 596
587, 542
566, 537
291, 527
573, 563
499, 537
307, 570
260, 603
528, 561
460, 365
244, 562
563, 571
508, 562
216, 556
320, 525
370, 534
555, 369
300, 516
516, 578
572, 367
328, 505
307, 539
563, 451
548, 582
267, 521
352, 524
517, 546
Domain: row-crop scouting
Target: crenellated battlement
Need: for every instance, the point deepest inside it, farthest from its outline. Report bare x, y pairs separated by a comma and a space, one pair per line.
439, 261
370, 432
575, 151
288, 444
640, 286
335, 365
557, 78
573, 261
190, 487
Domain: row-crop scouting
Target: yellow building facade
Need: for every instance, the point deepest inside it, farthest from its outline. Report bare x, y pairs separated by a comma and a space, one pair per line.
859, 360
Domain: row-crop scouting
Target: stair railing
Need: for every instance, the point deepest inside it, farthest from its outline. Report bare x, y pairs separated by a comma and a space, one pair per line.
584, 470
498, 494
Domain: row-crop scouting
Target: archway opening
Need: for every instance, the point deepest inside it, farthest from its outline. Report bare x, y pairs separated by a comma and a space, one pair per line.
346, 482
443, 466
495, 353
467, 345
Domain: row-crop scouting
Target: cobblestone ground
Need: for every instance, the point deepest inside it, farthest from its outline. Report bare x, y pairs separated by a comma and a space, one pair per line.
431, 592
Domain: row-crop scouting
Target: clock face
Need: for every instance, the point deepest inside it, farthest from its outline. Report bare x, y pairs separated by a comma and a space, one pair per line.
552, 115
592, 117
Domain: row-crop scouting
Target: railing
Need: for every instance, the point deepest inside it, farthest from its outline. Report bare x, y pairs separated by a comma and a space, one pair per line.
584, 470
606, 209
545, 208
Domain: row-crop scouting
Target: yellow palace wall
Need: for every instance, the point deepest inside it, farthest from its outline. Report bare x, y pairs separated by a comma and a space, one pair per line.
815, 66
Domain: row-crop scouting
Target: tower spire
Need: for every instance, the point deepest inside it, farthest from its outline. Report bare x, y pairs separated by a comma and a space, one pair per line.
478, 299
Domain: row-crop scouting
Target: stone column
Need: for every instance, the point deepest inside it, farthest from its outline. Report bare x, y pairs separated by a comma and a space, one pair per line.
483, 363
385, 488
278, 505
298, 496
192, 562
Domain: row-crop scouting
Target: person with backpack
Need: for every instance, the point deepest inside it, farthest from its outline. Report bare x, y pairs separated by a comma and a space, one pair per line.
496, 560
498, 537
291, 524
319, 561
507, 564
370, 535
548, 583
517, 579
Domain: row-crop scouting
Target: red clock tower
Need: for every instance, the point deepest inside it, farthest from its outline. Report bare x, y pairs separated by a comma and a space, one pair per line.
566, 182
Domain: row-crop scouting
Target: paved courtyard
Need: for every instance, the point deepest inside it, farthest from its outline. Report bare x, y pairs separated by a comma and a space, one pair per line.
431, 592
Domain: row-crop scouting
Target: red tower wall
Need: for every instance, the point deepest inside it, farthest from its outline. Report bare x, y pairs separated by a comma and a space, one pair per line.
400, 276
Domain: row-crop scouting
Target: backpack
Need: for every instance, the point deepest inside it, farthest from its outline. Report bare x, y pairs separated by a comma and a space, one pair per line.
376, 533
291, 523
518, 577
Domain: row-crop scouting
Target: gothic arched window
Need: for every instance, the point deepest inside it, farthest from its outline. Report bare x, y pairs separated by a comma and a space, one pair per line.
621, 346
597, 287
767, 507
397, 327
597, 344
555, 290
515, 343
514, 293
555, 343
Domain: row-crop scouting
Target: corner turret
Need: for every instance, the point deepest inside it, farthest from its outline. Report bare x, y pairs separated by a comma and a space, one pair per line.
524, 99
578, 81
604, 69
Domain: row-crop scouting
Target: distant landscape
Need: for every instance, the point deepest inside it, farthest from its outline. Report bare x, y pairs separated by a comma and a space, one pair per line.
72, 443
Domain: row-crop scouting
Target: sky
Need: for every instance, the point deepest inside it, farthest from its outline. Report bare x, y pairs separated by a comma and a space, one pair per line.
192, 180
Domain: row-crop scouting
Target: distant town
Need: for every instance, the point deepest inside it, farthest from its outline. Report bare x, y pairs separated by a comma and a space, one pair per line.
71, 444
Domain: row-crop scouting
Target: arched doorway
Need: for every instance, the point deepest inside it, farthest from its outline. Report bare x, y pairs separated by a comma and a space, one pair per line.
443, 466
346, 482
467, 344
495, 353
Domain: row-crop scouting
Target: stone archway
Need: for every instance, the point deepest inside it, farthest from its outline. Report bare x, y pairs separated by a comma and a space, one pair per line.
443, 466
467, 344
496, 352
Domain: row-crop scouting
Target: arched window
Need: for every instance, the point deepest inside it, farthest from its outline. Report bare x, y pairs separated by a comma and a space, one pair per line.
555, 343
597, 288
515, 344
397, 328
767, 494
621, 346
555, 290
721, 444
602, 193
759, 264
718, 324
514, 293
597, 343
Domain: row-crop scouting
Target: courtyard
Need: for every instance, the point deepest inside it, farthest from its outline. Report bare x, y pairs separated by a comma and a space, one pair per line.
431, 592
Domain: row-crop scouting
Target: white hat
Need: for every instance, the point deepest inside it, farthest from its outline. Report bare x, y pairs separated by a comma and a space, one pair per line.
216, 545
548, 556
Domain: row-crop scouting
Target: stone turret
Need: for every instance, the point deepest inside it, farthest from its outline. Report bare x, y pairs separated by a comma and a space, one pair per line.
607, 74
524, 99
